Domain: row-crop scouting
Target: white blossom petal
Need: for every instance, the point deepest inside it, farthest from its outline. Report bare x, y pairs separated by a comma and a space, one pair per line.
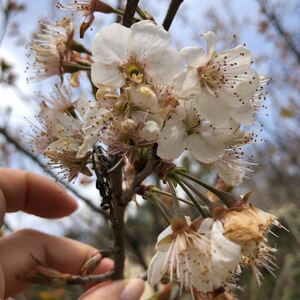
204, 147
194, 56
144, 98
186, 83
162, 66
226, 255
244, 114
230, 172
150, 131
211, 41
107, 49
213, 108
146, 38
170, 144
107, 75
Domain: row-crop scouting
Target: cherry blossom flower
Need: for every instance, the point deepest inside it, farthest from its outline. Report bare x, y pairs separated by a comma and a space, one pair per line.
232, 167
59, 99
59, 139
247, 226
139, 54
181, 255
86, 8
106, 120
223, 83
187, 129
51, 48
195, 254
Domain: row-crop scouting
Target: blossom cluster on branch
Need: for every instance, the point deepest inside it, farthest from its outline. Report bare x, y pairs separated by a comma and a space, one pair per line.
150, 104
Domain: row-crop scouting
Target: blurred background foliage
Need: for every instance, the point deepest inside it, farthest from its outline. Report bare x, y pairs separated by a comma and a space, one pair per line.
271, 30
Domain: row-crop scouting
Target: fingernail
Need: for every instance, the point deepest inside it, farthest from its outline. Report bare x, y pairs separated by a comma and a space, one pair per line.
133, 290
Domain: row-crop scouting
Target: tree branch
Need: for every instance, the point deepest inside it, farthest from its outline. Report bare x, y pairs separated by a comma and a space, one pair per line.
278, 26
90, 279
39, 162
116, 179
129, 12
172, 11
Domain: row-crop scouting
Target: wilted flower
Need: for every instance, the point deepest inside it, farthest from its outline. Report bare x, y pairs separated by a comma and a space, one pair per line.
52, 48
87, 8
247, 226
59, 99
60, 138
139, 54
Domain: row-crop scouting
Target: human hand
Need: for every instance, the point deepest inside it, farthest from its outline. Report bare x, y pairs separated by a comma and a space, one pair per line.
20, 190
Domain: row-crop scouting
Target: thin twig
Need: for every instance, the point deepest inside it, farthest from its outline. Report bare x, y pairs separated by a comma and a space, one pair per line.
116, 179
190, 195
130, 9
91, 278
172, 11
41, 164
278, 26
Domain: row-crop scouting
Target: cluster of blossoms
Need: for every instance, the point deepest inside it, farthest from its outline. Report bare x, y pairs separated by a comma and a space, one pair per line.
209, 253
148, 95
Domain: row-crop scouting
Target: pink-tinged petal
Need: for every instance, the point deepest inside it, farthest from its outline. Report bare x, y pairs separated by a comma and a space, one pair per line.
107, 75
213, 108
110, 44
194, 56
146, 38
204, 147
170, 144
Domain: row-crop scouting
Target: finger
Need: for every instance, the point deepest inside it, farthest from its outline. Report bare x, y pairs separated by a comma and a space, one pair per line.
119, 290
20, 190
62, 254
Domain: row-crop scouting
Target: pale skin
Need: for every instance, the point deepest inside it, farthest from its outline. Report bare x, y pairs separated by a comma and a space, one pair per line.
37, 195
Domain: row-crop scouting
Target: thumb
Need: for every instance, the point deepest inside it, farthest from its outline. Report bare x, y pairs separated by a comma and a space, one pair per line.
118, 290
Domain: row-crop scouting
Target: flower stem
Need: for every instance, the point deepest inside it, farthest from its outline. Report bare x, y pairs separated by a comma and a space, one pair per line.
176, 205
225, 197
164, 211
190, 195
141, 13
209, 204
170, 195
